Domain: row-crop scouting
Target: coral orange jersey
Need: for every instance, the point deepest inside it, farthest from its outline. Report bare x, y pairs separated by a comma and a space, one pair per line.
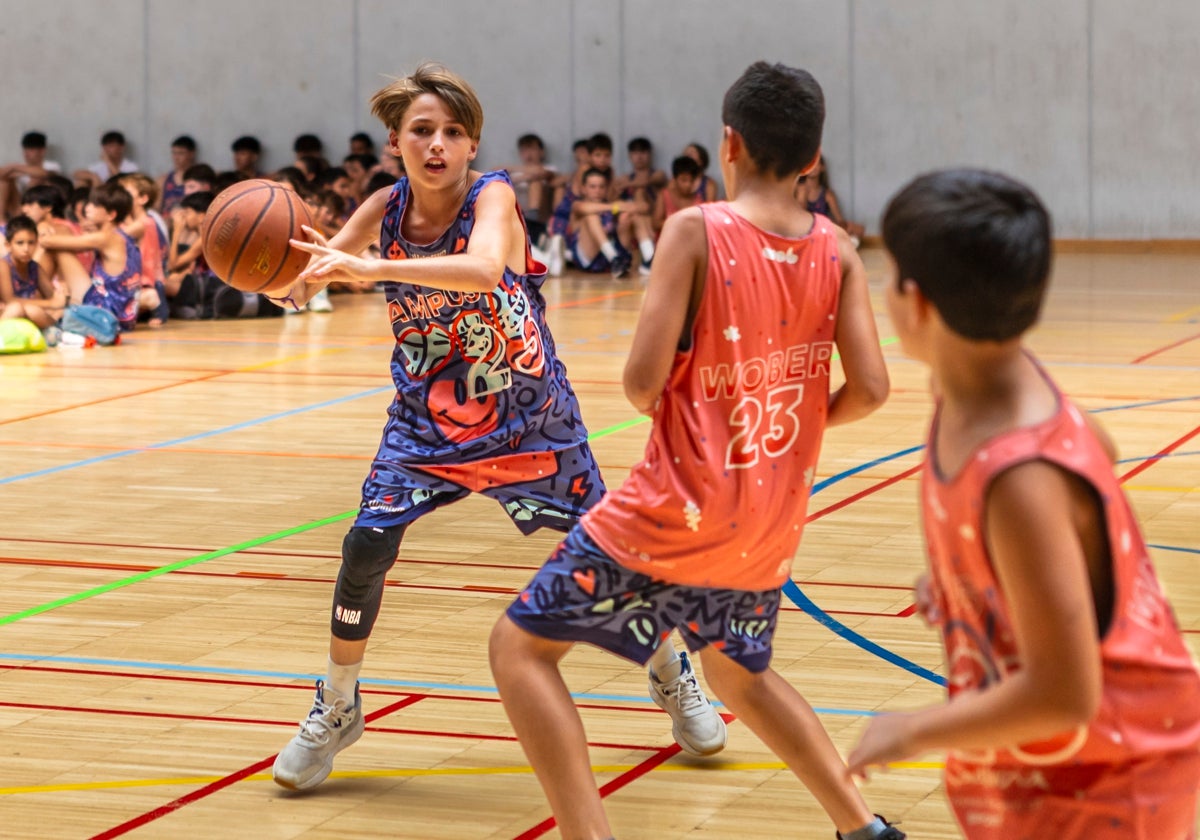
720, 496
1133, 771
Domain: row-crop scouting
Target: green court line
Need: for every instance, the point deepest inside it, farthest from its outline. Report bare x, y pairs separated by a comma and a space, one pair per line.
257, 541
171, 567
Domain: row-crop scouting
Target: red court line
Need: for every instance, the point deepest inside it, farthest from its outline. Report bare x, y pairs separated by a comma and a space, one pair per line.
631, 775
113, 398
597, 299
367, 691
1158, 456
391, 584
221, 784
861, 494
1170, 346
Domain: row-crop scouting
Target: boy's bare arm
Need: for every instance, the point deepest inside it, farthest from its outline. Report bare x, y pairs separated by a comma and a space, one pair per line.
478, 269
6, 286
857, 340
678, 272
93, 241
1041, 568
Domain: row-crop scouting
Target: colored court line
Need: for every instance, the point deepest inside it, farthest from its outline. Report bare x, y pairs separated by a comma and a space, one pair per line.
629, 776
1164, 349
422, 687
424, 772
200, 436
1173, 548
221, 783
1184, 315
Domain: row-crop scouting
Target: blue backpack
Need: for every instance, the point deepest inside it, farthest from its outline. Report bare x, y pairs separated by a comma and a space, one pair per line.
93, 321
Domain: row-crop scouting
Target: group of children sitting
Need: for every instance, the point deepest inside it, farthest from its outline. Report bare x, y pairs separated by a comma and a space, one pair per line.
115, 238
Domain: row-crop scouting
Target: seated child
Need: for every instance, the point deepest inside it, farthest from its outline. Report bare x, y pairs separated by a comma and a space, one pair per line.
593, 234
115, 280
152, 243
170, 185
46, 205
26, 290
818, 197
531, 181
706, 188
680, 192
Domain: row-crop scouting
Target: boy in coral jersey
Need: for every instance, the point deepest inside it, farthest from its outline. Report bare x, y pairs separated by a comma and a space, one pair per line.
482, 403
1074, 705
731, 358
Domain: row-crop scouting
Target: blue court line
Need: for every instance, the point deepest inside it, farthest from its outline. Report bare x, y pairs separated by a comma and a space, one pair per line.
1173, 548
1157, 457
382, 683
201, 436
1141, 404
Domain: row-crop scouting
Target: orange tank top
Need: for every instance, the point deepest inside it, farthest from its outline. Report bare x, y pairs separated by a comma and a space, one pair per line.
1140, 755
719, 498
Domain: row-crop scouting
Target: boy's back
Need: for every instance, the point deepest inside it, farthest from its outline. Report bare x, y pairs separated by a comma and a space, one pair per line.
738, 430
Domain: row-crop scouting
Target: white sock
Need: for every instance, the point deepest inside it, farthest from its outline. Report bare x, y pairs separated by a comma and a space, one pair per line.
647, 250
343, 678
665, 663
608, 249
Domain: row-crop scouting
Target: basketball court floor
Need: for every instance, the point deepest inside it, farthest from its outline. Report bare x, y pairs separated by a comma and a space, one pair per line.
171, 515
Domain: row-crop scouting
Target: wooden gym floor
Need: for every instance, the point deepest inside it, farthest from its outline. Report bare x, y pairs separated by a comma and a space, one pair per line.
172, 514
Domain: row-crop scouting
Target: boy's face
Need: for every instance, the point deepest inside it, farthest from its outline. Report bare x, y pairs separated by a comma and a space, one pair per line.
192, 186
244, 159
531, 154
341, 186
434, 145
113, 151
360, 147
640, 159
192, 219
903, 310
582, 158
139, 200
600, 158
22, 245
685, 184
595, 188
97, 215
354, 170
182, 157
36, 212
34, 157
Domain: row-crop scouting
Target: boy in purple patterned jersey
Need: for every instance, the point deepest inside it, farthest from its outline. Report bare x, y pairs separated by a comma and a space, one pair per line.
483, 403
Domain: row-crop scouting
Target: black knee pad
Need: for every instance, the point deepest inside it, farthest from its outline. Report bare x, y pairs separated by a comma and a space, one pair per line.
367, 555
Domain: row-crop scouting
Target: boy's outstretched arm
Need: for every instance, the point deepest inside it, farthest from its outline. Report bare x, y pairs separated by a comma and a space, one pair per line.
866, 385
478, 269
1042, 571
672, 295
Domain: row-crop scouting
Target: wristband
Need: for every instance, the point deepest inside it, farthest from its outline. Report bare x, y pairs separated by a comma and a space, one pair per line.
616, 208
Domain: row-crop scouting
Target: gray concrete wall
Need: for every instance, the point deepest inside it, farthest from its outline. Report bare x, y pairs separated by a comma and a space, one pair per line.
1095, 102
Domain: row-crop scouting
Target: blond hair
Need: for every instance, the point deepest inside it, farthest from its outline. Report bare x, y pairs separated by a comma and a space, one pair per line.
143, 183
390, 103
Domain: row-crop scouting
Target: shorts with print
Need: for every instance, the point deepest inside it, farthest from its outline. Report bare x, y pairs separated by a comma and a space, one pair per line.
583, 595
537, 489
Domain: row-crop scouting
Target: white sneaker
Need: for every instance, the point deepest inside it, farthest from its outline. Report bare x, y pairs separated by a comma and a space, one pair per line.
320, 302
330, 727
555, 256
697, 727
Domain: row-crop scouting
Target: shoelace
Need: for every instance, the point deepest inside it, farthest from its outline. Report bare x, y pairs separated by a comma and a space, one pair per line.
321, 721
686, 693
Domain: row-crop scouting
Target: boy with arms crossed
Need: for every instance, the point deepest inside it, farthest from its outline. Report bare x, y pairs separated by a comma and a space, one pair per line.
483, 403
1074, 705
701, 536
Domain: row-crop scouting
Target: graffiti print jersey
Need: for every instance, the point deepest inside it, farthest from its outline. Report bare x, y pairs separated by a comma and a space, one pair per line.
476, 373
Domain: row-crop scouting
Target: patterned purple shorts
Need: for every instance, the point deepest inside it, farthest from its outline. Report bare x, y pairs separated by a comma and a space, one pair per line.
583, 595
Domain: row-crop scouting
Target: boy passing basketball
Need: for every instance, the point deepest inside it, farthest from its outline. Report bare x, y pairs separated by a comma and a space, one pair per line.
746, 303
1074, 706
483, 403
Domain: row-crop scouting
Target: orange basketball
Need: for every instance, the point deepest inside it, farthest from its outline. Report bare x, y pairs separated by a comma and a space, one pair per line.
246, 232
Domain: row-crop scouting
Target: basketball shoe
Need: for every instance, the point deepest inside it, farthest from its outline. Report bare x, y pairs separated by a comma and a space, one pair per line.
696, 726
330, 727
890, 832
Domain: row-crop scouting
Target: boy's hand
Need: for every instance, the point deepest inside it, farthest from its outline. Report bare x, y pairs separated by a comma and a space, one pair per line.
927, 602
886, 740
328, 261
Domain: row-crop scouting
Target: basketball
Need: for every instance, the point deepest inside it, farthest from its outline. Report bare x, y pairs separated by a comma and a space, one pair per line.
245, 235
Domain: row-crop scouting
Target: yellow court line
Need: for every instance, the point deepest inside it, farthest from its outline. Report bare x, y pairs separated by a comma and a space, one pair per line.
1182, 316
417, 772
